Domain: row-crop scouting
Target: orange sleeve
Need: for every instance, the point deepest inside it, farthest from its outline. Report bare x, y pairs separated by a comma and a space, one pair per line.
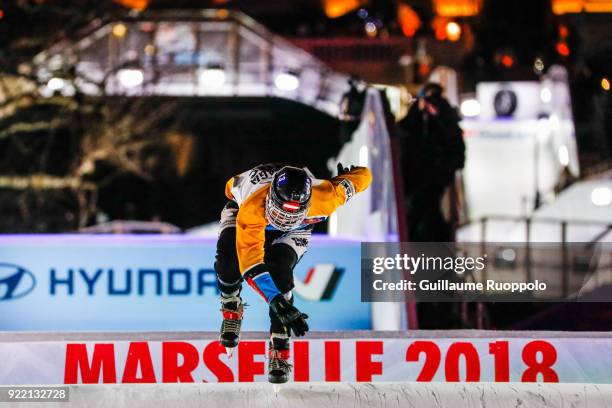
228, 189
251, 230
331, 194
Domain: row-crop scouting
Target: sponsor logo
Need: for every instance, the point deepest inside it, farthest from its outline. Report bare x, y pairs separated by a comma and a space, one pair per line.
124, 282
15, 281
300, 242
262, 174
320, 283
505, 102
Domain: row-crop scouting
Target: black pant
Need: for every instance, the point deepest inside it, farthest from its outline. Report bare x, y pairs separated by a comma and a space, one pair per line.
279, 258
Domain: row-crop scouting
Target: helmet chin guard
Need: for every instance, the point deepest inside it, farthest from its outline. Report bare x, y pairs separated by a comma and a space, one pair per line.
288, 200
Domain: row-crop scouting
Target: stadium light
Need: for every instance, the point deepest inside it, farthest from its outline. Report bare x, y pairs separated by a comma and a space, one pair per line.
453, 31
508, 254
601, 196
563, 154
119, 30
364, 156
546, 95
470, 108
130, 77
563, 49
68, 89
287, 81
55, 84
538, 65
371, 29
213, 77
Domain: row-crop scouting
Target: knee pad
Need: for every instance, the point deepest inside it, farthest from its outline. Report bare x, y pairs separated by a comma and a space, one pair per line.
229, 288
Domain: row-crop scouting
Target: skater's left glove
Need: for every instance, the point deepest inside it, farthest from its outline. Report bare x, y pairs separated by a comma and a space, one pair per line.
343, 170
289, 315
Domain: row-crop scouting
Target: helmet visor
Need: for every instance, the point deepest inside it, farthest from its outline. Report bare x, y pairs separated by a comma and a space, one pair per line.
285, 216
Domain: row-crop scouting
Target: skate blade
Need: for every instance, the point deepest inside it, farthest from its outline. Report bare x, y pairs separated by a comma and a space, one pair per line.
276, 388
229, 351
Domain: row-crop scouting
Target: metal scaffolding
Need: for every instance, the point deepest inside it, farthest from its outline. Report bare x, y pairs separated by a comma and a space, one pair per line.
187, 53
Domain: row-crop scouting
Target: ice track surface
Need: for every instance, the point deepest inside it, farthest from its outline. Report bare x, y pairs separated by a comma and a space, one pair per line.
314, 395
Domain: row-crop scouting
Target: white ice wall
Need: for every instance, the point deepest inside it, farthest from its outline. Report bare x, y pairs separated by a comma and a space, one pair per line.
372, 214
340, 395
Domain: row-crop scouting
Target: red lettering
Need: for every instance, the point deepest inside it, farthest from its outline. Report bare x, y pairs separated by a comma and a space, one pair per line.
214, 364
301, 366
432, 358
544, 367
501, 355
172, 371
139, 354
332, 361
472, 362
103, 359
366, 368
248, 368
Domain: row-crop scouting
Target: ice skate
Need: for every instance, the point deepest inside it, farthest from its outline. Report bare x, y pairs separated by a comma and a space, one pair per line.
279, 368
232, 309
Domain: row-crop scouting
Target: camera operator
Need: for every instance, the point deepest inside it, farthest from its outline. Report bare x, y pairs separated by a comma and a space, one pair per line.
432, 150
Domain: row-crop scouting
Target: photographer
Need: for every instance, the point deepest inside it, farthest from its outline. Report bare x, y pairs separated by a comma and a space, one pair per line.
432, 150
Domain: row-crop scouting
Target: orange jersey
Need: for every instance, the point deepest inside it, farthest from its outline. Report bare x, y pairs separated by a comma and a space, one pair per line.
250, 189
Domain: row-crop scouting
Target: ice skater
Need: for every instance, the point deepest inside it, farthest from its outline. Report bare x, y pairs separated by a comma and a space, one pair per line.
265, 230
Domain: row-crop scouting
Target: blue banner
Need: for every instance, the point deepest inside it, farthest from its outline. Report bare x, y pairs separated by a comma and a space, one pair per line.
123, 282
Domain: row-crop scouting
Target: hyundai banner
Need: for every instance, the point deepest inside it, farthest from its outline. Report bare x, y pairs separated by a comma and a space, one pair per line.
135, 283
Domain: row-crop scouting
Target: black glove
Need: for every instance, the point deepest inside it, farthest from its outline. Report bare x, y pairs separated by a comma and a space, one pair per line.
343, 170
289, 315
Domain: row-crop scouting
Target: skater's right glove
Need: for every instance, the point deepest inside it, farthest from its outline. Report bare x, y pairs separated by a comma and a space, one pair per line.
289, 315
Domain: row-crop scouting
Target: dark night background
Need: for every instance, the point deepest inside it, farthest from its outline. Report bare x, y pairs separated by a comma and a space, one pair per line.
167, 159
